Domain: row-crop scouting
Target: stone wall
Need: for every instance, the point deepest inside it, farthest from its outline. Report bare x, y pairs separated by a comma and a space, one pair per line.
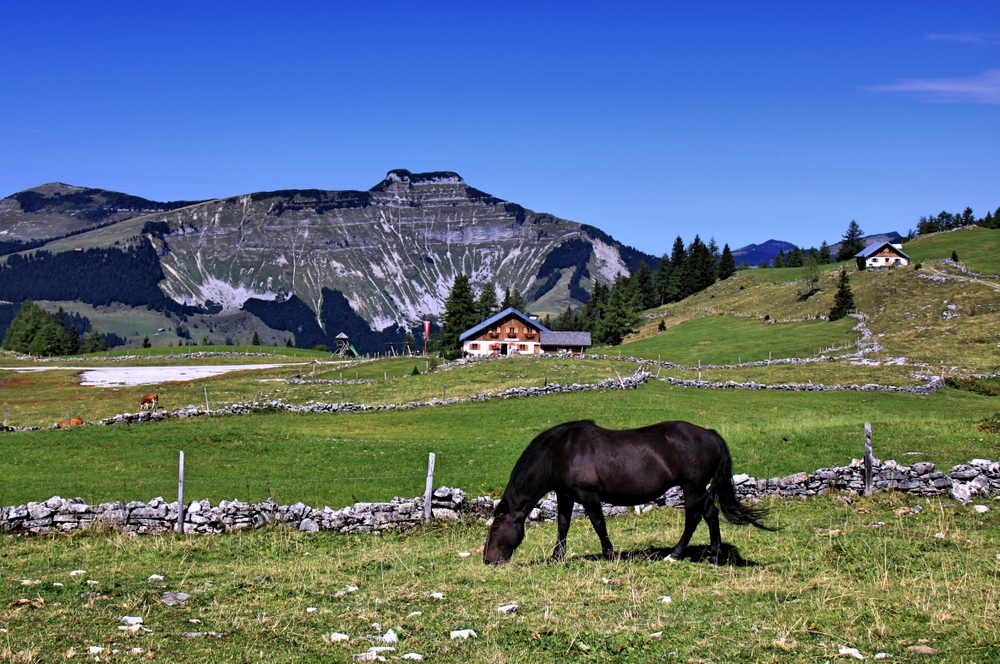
978, 478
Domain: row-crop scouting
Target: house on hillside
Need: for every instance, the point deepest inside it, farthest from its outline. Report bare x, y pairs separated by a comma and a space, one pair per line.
511, 332
881, 254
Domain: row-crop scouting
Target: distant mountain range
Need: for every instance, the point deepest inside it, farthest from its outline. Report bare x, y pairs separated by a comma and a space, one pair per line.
765, 252
388, 254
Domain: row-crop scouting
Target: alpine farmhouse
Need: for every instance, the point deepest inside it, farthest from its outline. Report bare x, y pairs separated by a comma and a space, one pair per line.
511, 332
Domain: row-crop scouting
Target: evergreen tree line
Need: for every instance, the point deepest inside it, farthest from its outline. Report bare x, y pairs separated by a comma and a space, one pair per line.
35, 331
945, 221
798, 257
96, 276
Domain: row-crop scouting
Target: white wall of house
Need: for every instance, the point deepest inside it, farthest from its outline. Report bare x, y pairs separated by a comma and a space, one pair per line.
480, 347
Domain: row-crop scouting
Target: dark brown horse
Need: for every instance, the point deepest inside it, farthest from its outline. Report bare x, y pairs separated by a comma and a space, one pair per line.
586, 464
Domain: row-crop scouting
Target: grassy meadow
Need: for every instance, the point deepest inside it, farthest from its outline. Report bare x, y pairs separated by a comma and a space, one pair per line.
337, 459
831, 578
867, 575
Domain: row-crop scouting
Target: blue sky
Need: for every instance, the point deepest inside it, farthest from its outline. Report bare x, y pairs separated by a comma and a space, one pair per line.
738, 121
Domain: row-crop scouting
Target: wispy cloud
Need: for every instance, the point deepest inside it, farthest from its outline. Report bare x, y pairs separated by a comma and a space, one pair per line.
969, 37
981, 89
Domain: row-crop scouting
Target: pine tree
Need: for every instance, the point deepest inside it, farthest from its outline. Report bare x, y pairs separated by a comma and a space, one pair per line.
459, 312
256, 340
514, 300
619, 319
671, 287
566, 321
145, 342
47, 341
824, 253
593, 311
73, 340
699, 269
779, 260
94, 342
795, 258
643, 291
852, 242
843, 301
288, 342
30, 319
486, 305
727, 266
661, 278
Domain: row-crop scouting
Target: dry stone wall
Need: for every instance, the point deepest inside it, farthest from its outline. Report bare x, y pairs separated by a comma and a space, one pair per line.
980, 478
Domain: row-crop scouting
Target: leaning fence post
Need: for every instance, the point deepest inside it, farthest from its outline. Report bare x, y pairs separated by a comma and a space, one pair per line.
868, 458
428, 487
180, 495
6, 413
206, 397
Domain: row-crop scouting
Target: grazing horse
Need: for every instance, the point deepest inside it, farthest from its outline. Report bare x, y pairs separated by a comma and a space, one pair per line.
586, 464
72, 422
149, 401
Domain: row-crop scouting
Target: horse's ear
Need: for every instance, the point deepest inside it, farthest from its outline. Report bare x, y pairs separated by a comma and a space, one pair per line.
502, 507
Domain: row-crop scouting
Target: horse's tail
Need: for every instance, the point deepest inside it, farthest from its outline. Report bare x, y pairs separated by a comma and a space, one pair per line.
723, 492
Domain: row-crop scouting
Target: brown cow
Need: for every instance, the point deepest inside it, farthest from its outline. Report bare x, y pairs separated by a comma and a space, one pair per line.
149, 401
73, 422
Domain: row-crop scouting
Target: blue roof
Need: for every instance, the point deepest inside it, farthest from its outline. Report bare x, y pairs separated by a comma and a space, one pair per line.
497, 318
875, 246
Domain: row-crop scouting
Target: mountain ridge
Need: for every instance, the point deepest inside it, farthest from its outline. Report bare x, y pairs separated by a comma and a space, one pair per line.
392, 251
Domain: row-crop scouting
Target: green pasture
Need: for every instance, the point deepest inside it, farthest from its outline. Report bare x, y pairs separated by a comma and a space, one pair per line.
337, 459
730, 340
977, 248
857, 576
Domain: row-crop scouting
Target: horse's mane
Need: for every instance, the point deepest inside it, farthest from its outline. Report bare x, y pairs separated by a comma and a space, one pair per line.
530, 457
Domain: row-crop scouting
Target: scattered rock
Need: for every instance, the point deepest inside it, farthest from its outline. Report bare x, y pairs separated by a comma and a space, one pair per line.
923, 650
463, 634
339, 636
175, 599
507, 608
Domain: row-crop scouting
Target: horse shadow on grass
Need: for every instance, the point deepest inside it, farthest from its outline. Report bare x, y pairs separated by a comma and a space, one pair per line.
729, 555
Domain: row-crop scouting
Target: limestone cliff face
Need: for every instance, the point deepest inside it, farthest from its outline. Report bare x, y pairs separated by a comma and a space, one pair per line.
393, 250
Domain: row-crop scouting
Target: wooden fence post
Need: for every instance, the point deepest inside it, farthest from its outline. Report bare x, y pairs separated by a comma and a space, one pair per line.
180, 494
5, 417
206, 398
868, 458
428, 489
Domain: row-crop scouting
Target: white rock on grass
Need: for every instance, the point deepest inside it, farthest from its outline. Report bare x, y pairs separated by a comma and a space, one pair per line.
463, 634
882, 655
982, 509
433, 595
339, 636
664, 599
414, 614
413, 655
464, 554
132, 620
853, 652
95, 650
389, 637
656, 635
155, 577
311, 609
507, 608
78, 572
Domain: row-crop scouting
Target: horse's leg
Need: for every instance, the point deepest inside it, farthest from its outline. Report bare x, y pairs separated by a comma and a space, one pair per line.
565, 509
712, 519
693, 509
592, 504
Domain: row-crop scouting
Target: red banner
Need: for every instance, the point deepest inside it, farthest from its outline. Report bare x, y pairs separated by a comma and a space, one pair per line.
427, 329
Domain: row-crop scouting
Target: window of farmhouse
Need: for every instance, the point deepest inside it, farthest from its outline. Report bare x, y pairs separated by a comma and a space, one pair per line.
473, 346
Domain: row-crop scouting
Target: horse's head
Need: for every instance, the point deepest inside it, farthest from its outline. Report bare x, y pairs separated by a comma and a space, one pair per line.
505, 534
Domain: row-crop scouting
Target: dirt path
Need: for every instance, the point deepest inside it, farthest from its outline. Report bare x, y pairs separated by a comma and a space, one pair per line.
963, 277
